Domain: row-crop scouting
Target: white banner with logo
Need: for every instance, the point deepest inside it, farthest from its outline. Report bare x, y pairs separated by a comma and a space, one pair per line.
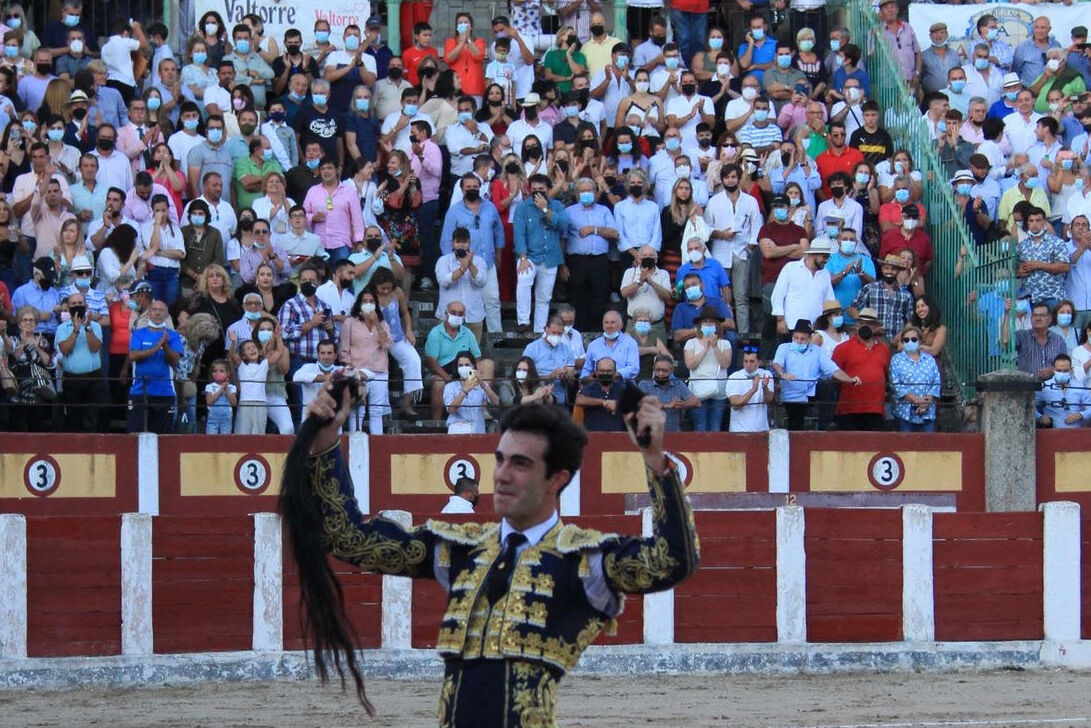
280, 15
1013, 21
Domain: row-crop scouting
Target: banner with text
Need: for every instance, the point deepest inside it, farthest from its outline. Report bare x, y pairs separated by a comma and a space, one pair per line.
1013, 21
280, 15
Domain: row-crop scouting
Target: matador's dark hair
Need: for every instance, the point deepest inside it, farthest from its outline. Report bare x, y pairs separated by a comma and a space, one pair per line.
565, 439
324, 622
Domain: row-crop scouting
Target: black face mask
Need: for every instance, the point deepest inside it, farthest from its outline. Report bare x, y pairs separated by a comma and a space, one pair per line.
79, 114
838, 192
584, 95
661, 380
307, 289
496, 102
472, 195
637, 191
106, 145
534, 153
610, 181
704, 142
689, 89
394, 73
865, 332
605, 379
511, 168
659, 40
890, 280
597, 30
461, 252
530, 112
44, 68
731, 188
77, 311
373, 244
648, 263
562, 164
785, 158
293, 50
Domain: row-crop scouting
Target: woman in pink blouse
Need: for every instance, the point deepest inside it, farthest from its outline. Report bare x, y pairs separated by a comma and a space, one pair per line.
364, 345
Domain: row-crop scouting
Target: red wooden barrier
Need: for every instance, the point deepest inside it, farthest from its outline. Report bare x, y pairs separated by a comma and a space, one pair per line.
202, 583
733, 595
854, 575
1063, 461
73, 586
363, 603
988, 576
430, 601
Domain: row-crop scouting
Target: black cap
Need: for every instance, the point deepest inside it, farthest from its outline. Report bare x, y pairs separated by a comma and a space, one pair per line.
708, 312
779, 201
802, 326
911, 210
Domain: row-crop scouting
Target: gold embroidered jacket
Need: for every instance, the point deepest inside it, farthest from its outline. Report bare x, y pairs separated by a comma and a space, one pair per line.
564, 589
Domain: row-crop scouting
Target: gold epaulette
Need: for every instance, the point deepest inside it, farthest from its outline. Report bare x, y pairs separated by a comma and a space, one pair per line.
467, 534
571, 539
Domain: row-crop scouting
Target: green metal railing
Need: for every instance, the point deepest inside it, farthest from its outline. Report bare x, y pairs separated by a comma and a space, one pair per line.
972, 295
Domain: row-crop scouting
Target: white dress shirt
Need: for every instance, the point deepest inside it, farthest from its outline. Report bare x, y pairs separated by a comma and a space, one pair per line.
742, 216
799, 293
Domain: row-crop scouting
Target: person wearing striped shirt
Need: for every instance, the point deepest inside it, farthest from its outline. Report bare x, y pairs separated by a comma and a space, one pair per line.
761, 132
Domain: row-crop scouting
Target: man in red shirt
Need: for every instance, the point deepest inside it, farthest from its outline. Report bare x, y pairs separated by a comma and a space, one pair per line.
838, 157
909, 235
867, 357
781, 241
422, 46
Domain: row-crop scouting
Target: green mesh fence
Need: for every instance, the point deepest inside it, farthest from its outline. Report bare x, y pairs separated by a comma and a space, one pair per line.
972, 295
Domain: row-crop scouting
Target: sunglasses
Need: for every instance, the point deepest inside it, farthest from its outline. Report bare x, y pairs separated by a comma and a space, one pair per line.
910, 338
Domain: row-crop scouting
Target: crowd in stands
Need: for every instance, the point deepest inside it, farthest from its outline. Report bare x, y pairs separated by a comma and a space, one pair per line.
197, 233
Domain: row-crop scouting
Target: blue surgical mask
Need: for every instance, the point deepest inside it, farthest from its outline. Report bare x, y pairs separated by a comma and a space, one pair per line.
673, 144
1011, 95
71, 20
326, 367
642, 327
362, 104
672, 63
835, 45
623, 62
319, 99
901, 196
197, 220
267, 154
625, 147
798, 347
322, 36
847, 247
611, 335
761, 115
1062, 377
154, 102
911, 346
1031, 183
587, 198
992, 33
200, 57
981, 63
1022, 306
252, 315
958, 85
352, 42
462, 27
693, 293
11, 51
715, 43
131, 304
838, 321
806, 46
1066, 164
899, 167
29, 125
758, 34
55, 135
15, 23
571, 112
190, 124
780, 214
708, 330
410, 110
265, 336
242, 46
1064, 319
862, 178
215, 135
85, 283
784, 61
832, 231
963, 189
465, 117
795, 201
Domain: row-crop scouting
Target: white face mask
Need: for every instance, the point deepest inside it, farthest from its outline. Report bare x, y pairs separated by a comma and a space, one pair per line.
749, 93
695, 256
910, 223
1053, 64
521, 374
367, 308
553, 339
682, 172
454, 321
723, 69
642, 87
465, 371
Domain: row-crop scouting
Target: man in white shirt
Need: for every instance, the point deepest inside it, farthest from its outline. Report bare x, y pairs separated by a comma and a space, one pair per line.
521, 55
983, 78
802, 287
613, 83
466, 139
530, 124
461, 277
647, 287
738, 111
734, 219
337, 292
572, 338
851, 211
221, 215
1078, 281
666, 81
386, 98
749, 392
689, 108
117, 54
465, 497
1021, 126
395, 129
114, 168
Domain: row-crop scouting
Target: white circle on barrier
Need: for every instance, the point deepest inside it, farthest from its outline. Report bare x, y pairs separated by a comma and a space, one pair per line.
252, 474
886, 471
461, 466
42, 475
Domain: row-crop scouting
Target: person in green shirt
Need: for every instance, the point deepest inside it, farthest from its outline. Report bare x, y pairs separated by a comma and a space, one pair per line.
250, 172
1056, 75
564, 61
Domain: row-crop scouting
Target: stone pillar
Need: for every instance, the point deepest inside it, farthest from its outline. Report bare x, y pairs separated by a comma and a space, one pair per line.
1007, 420
268, 604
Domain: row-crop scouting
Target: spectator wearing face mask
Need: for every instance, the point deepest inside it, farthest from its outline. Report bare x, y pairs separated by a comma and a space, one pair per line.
889, 302
800, 365
1043, 261
909, 235
915, 381
672, 393
553, 360
1058, 404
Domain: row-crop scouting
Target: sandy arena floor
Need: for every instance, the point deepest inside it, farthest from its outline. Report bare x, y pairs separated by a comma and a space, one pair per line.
1017, 699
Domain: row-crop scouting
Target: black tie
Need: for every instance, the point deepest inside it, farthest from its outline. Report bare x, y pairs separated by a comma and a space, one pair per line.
497, 583
140, 131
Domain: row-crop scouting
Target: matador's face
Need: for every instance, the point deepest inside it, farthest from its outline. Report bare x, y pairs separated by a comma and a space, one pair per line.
522, 492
